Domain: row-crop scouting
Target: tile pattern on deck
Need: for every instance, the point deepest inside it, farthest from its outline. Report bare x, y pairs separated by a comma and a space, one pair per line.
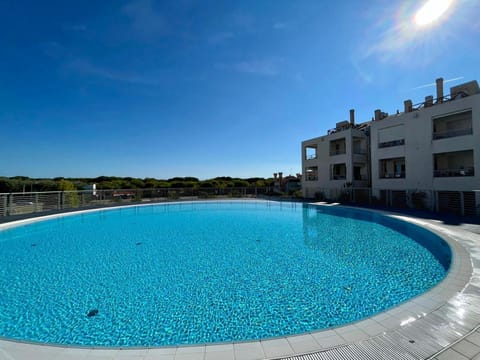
441, 324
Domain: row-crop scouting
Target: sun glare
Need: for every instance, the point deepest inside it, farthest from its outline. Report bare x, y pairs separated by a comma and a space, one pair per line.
431, 11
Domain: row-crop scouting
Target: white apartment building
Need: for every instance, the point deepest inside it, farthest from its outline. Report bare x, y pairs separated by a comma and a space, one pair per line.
337, 159
427, 156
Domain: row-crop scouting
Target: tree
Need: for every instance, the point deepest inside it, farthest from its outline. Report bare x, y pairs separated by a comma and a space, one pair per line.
70, 195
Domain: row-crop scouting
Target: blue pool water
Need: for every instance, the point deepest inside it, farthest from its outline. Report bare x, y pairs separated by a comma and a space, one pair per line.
190, 273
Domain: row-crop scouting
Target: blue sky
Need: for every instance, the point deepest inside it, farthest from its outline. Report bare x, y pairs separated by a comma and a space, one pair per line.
147, 88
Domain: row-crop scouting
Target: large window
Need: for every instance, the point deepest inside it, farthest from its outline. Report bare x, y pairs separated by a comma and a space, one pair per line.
338, 147
452, 164
338, 172
458, 124
392, 168
360, 146
311, 173
391, 136
310, 152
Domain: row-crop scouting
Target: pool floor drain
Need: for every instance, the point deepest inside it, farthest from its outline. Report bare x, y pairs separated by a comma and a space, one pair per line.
92, 312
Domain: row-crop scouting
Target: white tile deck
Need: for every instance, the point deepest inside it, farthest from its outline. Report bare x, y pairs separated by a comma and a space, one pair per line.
442, 324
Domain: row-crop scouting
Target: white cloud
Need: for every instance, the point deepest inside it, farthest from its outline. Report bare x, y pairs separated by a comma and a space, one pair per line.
433, 84
87, 68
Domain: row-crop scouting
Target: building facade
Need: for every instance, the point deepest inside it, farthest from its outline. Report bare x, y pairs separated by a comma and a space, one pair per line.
426, 156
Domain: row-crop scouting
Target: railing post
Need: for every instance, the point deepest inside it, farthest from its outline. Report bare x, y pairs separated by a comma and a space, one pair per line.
35, 203
4, 205
462, 204
10, 204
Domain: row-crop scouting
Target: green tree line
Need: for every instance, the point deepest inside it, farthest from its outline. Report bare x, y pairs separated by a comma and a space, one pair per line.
26, 184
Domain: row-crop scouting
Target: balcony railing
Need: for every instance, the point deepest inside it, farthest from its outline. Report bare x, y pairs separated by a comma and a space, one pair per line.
311, 157
337, 152
20, 204
360, 151
338, 177
451, 133
454, 172
311, 177
396, 175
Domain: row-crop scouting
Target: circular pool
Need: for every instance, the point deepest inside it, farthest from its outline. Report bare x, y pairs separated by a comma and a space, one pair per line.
207, 272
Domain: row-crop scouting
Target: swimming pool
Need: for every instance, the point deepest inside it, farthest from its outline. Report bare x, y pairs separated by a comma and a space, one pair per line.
207, 272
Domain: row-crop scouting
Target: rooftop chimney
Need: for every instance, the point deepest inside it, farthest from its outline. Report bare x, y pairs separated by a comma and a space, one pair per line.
428, 101
378, 114
439, 82
408, 106
352, 117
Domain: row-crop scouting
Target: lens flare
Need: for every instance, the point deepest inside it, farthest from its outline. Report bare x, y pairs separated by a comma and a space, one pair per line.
431, 11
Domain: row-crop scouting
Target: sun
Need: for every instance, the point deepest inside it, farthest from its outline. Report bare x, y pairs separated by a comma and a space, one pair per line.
431, 11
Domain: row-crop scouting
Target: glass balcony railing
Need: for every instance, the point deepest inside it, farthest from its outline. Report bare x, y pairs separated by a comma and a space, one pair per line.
451, 133
395, 175
337, 152
469, 171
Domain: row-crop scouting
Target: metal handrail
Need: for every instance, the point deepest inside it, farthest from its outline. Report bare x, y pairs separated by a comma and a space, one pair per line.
21, 203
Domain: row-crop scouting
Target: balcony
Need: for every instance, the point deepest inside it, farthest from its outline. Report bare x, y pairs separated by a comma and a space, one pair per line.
459, 124
453, 164
311, 173
310, 152
338, 147
451, 133
392, 168
360, 146
338, 172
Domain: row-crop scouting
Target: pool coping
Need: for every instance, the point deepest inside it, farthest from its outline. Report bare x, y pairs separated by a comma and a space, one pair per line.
444, 314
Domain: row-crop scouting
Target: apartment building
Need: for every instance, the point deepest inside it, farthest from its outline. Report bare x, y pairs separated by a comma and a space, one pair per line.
427, 155
336, 160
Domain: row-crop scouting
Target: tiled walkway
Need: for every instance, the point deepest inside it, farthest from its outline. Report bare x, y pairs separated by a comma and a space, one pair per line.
440, 324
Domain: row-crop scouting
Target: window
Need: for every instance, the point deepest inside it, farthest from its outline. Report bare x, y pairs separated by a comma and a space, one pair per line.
392, 168
311, 173
360, 146
310, 152
391, 136
338, 172
337, 147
